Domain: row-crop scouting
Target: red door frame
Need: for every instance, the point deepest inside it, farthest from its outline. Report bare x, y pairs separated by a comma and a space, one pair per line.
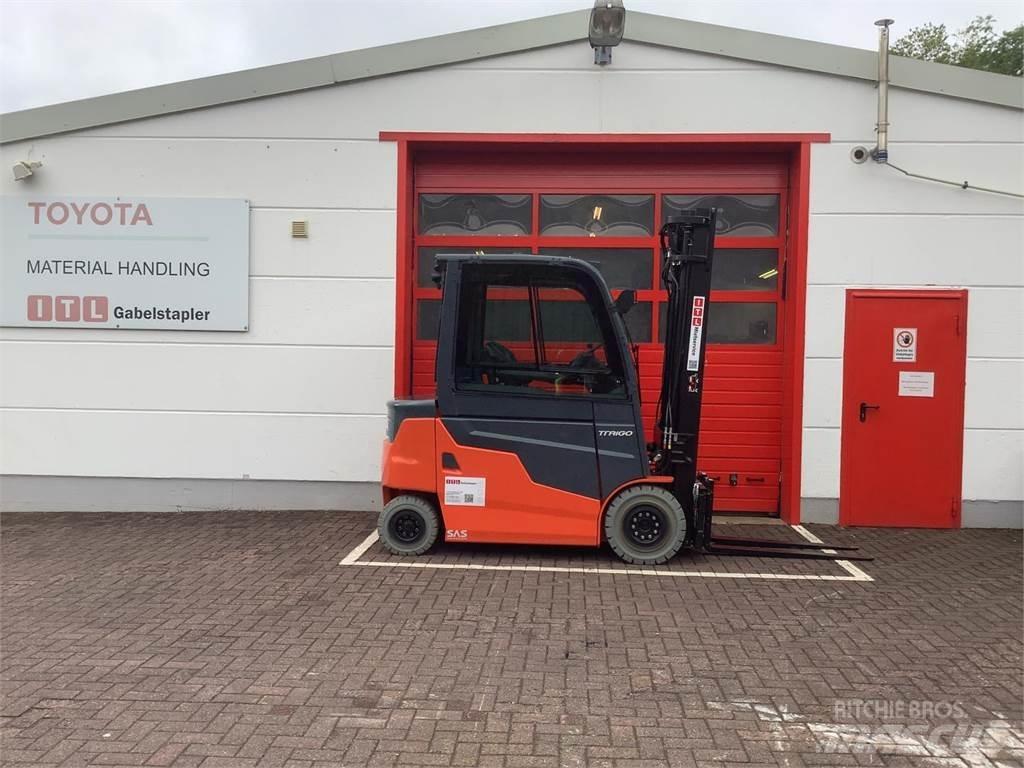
958, 294
798, 147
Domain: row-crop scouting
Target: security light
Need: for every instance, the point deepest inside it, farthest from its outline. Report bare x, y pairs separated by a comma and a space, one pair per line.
23, 169
607, 23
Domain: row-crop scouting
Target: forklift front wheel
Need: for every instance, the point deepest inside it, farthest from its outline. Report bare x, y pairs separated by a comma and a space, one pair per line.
645, 524
408, 525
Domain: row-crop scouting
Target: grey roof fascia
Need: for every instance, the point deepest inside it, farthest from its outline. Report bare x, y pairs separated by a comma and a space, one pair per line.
458, 47
826, 58
277, 79
165, 99
959, 82
515, 37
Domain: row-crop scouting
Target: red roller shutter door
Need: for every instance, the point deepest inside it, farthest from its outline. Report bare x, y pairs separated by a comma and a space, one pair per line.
608, 207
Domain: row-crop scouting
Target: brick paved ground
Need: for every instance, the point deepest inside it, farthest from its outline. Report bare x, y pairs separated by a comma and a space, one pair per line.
235, 639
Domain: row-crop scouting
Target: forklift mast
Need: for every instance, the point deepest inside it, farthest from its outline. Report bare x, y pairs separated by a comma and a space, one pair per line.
687, 250
687, 244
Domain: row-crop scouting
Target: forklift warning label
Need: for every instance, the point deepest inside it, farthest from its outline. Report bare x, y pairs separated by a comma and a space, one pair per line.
465, 491
696, 327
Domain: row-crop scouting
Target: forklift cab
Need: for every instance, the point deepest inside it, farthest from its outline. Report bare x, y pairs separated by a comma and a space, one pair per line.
533, 359
534, 325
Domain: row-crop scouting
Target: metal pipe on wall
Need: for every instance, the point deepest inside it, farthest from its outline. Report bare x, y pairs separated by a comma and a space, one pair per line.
881, 153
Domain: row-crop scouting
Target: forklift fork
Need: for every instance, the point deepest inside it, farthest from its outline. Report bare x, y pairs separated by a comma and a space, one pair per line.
762, 548
730, 546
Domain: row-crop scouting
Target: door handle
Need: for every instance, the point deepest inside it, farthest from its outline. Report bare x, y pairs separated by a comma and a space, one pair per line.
864, 408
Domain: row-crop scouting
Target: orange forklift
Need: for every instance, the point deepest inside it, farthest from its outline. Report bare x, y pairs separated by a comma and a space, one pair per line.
535, 436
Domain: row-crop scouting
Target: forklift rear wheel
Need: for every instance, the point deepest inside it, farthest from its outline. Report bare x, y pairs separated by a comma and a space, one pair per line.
645, 524
408, 525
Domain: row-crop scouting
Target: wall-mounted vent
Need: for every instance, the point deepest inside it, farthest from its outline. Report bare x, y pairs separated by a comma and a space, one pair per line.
300, 229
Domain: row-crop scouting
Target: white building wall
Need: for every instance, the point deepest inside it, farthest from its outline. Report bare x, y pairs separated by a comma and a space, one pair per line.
301, 396
873, 227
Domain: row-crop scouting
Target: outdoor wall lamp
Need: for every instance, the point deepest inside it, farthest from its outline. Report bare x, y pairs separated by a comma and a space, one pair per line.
607, 23
23, 169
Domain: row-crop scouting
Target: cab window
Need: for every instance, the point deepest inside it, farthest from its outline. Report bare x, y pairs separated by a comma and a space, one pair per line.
535, 330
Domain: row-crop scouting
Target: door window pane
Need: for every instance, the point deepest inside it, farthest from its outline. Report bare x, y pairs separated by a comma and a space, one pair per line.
738, 215
573, 344
620, 267
566, 316
425, 260
502, 325
731, 322
445, 214
638, 321
745, 269
597, 215
746, 323
428, 317
507, 319
496, 343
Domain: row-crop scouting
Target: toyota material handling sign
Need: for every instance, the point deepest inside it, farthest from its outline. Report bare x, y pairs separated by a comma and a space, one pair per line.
125, 262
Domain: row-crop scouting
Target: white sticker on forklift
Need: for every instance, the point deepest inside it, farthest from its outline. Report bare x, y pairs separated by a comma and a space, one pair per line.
465, 491
917, 384
904, 345
696, 327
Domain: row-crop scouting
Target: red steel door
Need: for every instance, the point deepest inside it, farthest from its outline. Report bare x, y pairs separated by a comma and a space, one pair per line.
903, 405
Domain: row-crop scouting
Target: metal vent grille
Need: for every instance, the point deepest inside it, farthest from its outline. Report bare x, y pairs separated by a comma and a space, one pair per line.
300, 229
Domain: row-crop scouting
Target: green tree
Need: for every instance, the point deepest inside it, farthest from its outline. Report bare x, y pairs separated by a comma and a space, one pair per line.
977, 46
929, 42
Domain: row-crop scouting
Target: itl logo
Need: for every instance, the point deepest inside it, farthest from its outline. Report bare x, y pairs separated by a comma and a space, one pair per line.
67, 309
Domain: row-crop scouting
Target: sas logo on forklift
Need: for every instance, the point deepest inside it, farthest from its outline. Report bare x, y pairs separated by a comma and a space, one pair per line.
615, 433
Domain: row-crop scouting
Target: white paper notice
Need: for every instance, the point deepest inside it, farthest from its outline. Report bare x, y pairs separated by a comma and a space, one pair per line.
465, 491
917, 384
904, 345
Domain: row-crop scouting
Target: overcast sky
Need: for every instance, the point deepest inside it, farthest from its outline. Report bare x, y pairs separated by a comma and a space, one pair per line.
58, 50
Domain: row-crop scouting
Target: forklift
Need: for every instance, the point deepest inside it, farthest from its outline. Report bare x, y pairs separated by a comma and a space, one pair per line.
535, 436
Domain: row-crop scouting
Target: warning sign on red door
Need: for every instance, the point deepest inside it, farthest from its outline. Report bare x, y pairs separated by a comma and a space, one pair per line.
904, 345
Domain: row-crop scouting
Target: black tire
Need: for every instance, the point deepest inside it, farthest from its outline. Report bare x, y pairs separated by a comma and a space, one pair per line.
645, 525
408, 525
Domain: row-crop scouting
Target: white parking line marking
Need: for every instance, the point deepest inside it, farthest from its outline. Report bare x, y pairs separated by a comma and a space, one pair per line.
807, 534
855, 573
357, 552
846, 565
